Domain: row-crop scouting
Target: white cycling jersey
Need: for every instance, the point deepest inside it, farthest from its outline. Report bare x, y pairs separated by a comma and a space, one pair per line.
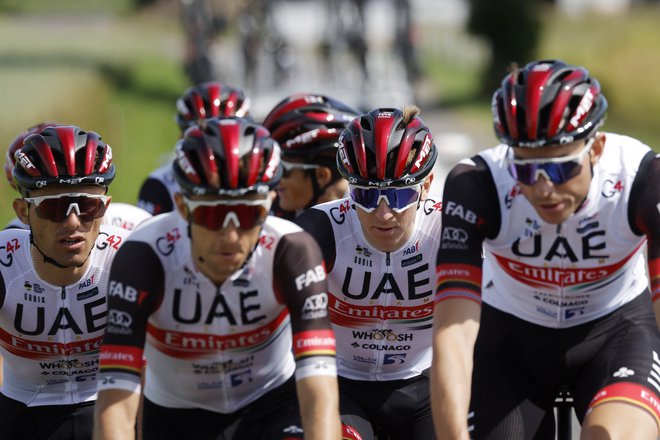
50, 335
572, 273
212, 347
381, 303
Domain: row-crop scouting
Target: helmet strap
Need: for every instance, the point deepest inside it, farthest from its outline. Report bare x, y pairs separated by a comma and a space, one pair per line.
50, 260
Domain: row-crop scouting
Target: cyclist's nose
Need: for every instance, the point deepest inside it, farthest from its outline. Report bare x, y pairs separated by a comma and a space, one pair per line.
543, 187
383, 210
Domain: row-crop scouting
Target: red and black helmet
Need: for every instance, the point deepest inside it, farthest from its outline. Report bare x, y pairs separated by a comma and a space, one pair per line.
17, 143
227, 156
63, 155
386, 147
307, 127
210, 100
547, 103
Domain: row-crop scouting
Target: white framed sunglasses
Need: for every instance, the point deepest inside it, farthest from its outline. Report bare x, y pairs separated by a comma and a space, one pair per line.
58, 207
556, 169
220, 214
397, 198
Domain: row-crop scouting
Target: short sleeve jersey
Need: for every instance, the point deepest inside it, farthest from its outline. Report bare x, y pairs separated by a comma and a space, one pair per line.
381, 303
223, 346
51, 335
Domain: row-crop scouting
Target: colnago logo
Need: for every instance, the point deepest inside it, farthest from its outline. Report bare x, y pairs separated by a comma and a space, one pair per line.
311, 276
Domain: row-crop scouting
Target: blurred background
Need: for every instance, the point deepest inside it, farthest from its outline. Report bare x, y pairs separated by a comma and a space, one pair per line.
117, 67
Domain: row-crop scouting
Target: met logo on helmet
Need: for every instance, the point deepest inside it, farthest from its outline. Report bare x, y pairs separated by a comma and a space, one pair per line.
426, 147
25, 161
582, 109
303, 137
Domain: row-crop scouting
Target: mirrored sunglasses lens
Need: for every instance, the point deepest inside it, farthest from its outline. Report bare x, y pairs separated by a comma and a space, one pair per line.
57, 210
558, 173
213, 217
401, 198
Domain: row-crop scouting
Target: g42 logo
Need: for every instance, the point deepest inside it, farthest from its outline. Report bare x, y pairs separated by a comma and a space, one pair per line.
165, 244
111, 240
338, 213
8, 258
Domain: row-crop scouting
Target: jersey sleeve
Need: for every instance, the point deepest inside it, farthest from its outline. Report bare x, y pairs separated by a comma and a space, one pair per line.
301, 283
470, 213
645, 214
317, 223
154, 197
135, 290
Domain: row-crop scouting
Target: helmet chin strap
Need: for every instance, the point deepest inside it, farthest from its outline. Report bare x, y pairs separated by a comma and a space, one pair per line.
48, 259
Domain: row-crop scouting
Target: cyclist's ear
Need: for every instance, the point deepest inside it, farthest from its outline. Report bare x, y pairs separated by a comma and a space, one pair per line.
180, 205
323, 175
426, 186
597, 148
22, 209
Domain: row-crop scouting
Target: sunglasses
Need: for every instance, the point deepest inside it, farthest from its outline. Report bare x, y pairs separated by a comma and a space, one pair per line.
290, 166
557, 170
398, 199
57, 208
219, 214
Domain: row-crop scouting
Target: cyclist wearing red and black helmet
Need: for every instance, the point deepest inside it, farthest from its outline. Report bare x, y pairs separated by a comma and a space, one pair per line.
307, 127
560, 298
227, 304
379, 246
118, 214
53, 279
206, 100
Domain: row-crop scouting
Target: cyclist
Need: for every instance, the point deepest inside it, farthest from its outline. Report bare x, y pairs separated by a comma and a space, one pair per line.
118, 214
205, 100
53, 282
307, 127
378, 246
562, 211
222, 333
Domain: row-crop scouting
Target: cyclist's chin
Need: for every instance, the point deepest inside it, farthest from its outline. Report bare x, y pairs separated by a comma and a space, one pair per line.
554, 213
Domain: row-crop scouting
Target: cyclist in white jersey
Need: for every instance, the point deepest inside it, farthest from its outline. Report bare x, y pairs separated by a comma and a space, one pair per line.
379, 247
307, 127
227, 303
118, 214
560, 298
53, 280
206, 100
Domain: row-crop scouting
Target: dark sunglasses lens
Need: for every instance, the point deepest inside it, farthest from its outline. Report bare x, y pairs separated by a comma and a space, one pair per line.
213, 217
401, 197
365, 197
56, 209
558, 173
